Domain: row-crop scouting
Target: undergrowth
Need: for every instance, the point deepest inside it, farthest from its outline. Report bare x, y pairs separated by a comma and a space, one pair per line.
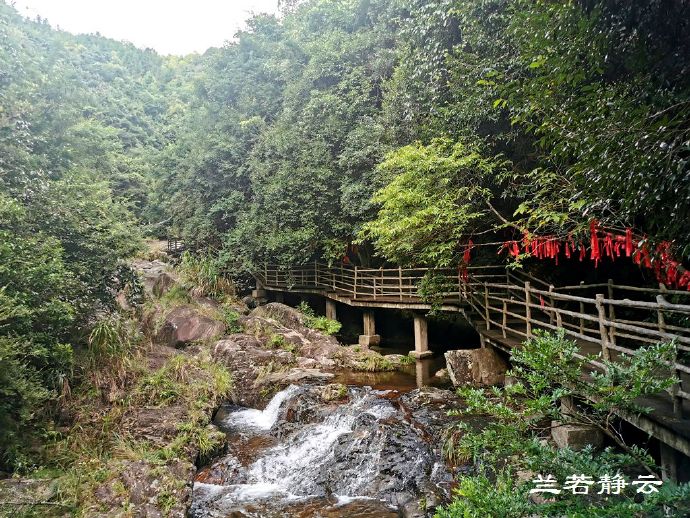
320, 323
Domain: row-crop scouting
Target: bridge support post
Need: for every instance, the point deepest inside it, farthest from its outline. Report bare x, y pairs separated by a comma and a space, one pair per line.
330, 310
259, 293
423, 373
421, 338
669, 462
369, 337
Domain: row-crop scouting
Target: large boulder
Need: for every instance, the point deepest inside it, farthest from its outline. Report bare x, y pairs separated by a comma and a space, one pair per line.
185, 324
481, 367
248, 360
278, 319
162, 284
150, 271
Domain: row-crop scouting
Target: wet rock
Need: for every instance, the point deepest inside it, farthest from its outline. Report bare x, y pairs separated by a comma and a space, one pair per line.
481, 367
442, 374
333, 392
228, 470
427, 410
186, 324
366, 447
294, 375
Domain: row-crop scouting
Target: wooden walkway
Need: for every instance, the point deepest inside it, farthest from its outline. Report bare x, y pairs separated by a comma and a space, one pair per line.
506, 306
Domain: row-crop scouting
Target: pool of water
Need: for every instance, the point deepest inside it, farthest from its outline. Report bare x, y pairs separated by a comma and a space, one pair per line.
408, 377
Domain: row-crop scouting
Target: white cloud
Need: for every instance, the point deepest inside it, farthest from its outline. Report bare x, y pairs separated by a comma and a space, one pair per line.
169, 26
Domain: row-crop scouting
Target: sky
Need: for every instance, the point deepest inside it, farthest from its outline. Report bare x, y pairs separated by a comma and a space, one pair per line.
168, 26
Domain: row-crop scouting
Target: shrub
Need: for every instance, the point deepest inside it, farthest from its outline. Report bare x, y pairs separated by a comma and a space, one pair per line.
231, 319
373, 363
323, 324
547, 371
203, 277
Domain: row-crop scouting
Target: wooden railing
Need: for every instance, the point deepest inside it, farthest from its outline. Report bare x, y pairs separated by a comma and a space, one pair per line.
175, 245
602, 318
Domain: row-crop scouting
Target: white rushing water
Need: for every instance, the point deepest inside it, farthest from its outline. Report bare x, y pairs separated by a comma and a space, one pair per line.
260, 419
299, 467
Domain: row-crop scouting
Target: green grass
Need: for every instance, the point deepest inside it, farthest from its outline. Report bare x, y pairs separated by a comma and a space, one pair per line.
231, 319
373, 363
408, 360
323, 324
278, 342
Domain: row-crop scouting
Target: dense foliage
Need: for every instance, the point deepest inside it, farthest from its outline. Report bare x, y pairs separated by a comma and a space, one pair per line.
521, 416
569, 110
78, 120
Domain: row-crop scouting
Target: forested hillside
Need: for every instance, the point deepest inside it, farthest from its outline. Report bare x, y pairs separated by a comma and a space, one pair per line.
82, 120
388, 132
474, 116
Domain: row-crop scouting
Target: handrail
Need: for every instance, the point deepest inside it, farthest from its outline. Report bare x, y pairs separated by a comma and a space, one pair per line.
620, 325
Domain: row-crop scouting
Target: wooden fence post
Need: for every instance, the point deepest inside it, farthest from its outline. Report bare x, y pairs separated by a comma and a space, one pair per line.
551, 315
505, 318
602, 326
355, 286
486, 307
460, 288
582, 312
677, 400
612, 315
316, 273
401, 282
528, 309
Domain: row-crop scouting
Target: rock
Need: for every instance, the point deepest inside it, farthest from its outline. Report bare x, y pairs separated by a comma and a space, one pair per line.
122, 302
295, 375
366, 445
162, 284
247, 358
250, 302
428, 408
442, 374
149, 271
186, 324
27, 490
510, 380
158, 425
576, 436
306, 363
483, 367
333, 392
279, 319
143, 484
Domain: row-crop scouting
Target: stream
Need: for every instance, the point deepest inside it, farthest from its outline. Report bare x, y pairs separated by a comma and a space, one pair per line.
328, 451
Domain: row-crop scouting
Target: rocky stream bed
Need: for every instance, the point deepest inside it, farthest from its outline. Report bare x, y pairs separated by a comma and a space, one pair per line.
328, 450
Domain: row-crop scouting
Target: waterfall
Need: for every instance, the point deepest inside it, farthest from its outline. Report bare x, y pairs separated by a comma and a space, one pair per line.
339, 455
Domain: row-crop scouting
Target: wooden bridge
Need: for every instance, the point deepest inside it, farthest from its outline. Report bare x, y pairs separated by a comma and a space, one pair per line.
506, 306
